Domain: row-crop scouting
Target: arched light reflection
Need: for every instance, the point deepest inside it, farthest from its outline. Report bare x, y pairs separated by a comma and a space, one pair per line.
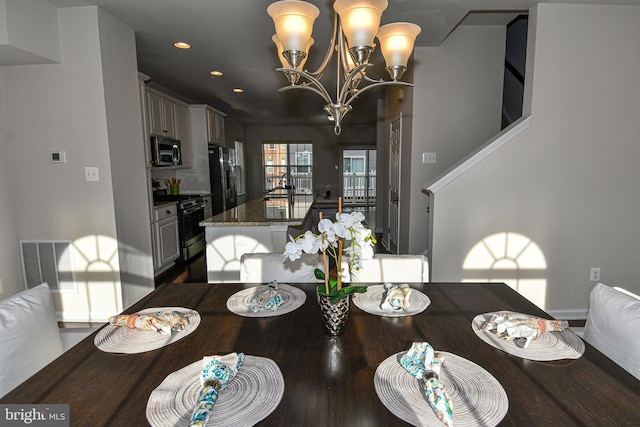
223, 256
511, 258
97, 276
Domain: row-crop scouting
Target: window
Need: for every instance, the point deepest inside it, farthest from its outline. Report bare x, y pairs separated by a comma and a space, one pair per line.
359, 177
294, 166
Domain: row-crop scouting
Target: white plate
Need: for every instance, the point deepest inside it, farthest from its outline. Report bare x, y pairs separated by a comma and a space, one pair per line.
292, 298
477, 398
120, 339
370, 302
548, 346
250, 397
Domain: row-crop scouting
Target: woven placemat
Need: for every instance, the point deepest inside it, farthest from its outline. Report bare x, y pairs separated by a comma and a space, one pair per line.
120, 339
477, 398
370, 302
292, 298
548, 346
250, 397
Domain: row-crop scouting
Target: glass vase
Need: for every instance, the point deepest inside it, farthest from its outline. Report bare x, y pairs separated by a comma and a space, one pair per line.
334, 316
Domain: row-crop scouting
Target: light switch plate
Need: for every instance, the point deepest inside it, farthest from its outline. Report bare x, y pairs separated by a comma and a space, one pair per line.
91, 174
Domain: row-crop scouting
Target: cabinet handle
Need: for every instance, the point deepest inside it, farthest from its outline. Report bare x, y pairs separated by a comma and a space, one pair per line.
168, 212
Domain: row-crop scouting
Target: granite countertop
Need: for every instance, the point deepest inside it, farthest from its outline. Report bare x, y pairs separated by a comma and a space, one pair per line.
273, 209
158, 203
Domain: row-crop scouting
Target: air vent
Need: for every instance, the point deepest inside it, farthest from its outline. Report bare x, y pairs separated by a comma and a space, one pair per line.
48, 261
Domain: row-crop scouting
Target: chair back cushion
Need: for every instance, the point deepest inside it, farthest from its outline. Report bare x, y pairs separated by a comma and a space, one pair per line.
29, 335
265, 267
383, 268
612, 326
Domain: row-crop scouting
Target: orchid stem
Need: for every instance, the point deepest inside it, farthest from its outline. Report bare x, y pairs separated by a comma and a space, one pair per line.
339, 260
325, 263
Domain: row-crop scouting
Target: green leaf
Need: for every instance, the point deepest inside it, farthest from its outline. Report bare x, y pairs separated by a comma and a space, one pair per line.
319, 274
345, 292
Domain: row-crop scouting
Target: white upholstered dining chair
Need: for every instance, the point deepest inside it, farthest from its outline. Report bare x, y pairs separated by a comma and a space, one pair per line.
265, 267
612, 325
393, 268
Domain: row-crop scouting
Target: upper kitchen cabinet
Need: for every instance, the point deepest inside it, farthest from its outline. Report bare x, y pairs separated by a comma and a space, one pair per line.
207, 125
183, 133
162, 115
166, 116
215, 126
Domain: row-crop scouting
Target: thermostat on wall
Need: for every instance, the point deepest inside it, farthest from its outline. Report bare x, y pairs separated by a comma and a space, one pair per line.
58, 157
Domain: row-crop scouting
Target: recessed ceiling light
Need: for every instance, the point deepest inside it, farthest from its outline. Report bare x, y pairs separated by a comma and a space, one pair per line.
182, 45
216, 73
238, 90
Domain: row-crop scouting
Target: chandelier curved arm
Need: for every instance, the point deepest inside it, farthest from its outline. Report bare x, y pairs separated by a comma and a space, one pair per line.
346, 87
317, 86
378, 84
332, 46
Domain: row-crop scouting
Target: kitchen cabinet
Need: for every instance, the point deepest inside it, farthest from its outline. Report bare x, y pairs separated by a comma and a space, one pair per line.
215, 126
183, 133
166, 235
162, 115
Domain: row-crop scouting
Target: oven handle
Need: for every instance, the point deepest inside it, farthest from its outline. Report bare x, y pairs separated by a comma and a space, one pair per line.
193, 209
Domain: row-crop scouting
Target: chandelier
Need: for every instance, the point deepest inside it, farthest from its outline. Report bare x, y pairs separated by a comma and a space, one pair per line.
355, 24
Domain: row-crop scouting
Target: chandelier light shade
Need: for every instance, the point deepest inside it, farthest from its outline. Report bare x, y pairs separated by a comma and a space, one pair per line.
293, 20
396, 43
360, 21
356, 23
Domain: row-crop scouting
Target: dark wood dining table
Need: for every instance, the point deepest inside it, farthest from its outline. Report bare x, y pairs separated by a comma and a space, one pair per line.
329, 381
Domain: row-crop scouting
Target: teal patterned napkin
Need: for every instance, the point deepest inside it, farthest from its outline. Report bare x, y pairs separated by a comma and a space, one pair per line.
217, 372
269, 299
395, 297
422, 362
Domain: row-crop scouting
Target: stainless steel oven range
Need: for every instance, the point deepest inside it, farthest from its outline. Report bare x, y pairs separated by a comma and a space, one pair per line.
190, 214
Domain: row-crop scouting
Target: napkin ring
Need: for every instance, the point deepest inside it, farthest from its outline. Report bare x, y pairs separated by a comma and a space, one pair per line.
430, 374
213, 383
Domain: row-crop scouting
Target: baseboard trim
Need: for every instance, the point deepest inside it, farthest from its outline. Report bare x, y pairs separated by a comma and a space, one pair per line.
572, 314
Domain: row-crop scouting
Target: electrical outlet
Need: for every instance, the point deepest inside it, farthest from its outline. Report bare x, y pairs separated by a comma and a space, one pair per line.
594, 275
428, 157
91, 174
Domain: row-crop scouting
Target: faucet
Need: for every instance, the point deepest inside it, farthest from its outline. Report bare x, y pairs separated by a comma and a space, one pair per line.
283, 179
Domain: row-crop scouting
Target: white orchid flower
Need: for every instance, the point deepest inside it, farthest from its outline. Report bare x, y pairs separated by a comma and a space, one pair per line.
292, 251
309, 243
326, 227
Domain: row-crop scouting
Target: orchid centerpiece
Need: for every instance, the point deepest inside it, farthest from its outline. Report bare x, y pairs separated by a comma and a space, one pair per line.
330, 240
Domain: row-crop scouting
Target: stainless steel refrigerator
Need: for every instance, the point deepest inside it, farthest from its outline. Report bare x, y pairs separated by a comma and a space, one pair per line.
222, 177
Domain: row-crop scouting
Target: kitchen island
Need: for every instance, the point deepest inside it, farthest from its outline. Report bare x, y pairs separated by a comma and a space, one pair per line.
260, 225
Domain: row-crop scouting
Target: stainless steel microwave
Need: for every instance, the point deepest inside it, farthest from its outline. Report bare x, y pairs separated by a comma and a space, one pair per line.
165, 151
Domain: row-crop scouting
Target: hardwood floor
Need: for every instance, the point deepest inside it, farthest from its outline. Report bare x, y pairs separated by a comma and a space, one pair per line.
194, 271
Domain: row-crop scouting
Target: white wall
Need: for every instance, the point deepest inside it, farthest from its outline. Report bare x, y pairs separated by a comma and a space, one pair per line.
126, 150
64, 106
28, 32
569, 182
456, 107
10, 273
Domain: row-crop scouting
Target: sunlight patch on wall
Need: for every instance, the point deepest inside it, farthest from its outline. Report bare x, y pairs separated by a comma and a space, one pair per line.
511, 258
97, 269
223, 256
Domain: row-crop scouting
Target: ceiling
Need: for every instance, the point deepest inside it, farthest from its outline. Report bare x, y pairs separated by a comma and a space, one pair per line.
234, 36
